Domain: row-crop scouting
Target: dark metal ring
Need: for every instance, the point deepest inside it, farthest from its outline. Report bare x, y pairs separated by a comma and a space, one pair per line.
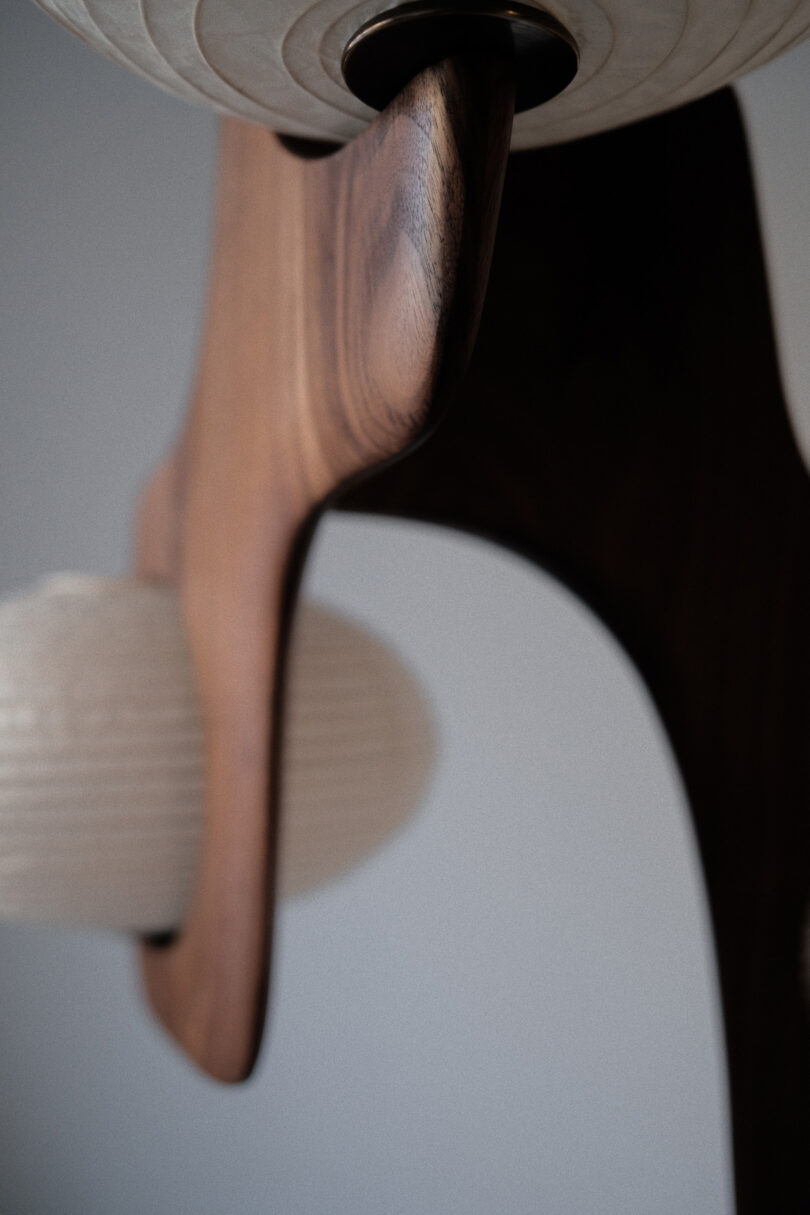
393, 47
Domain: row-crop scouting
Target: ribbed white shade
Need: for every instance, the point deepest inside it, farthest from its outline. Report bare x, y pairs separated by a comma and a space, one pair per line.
277, 62
101, 753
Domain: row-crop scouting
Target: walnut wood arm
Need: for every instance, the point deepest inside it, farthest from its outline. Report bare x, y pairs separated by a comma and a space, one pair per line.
623, 425
344, 299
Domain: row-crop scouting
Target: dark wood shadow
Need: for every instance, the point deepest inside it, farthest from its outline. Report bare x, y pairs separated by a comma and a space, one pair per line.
622, 424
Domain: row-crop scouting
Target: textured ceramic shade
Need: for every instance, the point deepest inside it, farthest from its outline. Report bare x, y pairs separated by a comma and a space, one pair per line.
101, 754
277, 62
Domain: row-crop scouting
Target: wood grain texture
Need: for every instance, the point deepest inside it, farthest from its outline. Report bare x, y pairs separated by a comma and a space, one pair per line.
344, 297
622, 425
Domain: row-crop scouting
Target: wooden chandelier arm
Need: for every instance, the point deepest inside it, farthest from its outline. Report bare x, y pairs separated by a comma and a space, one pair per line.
623, 426
344, 298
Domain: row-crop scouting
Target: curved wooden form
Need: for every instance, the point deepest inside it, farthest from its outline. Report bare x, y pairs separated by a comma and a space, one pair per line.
623, 425
344, 299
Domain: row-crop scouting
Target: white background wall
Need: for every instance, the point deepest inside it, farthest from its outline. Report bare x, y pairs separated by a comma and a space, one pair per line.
511, 1008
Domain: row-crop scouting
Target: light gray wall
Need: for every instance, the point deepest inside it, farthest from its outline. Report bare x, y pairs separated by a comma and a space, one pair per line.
510, 1008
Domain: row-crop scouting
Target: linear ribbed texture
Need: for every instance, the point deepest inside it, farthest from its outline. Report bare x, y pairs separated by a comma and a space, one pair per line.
277, 62
101, 753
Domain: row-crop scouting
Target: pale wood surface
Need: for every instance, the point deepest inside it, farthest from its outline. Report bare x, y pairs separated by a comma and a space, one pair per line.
277, 62
344, 297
